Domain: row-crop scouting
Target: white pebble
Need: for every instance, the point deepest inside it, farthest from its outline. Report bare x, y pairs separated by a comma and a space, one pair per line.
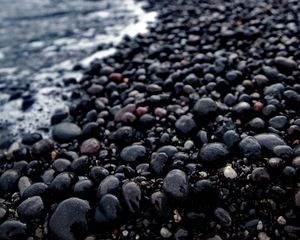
188, 145
281, 220
259, 226
165, 233
229, 172
263, 236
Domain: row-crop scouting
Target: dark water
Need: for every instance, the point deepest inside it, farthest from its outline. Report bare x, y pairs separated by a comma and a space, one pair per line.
41, 41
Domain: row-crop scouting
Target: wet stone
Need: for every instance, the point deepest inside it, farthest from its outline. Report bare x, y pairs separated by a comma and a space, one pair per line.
108, 210
269, 140
205, 108
61, 165
31, 208
185, 125
66, 132
36, 189
13, 229
69, 220
133, 153
278, 122
9, 182
110, 184
90, 146
175, 185
132, 195
260, 175
213, 154
223, 217
251, 148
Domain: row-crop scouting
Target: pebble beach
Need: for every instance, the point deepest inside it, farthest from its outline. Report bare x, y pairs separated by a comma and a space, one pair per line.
188, 131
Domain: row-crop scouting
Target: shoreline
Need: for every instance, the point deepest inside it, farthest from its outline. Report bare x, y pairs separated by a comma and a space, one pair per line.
190, 131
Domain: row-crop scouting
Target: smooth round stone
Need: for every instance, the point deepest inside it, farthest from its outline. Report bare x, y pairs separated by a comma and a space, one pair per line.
241, 108
13, 230
132, 195
205, 107
23, 184
175, 185
36, 189
260, 175
296, 162
133, 153
278, 122
223, 217
165, 233
69, 220
161, 205
110, 184
124, 135
90, 146
61, 165
62, 184
31, 208
84, 189
251, 148
48, 176
66, 132
169, 150
108, 210
213, 154
97, 174
285, 64
158, 163
284, 152
229, 172
185, 125
80, 165
31, 138
9, 181
231, 139
269, 140
257, 124
42, 148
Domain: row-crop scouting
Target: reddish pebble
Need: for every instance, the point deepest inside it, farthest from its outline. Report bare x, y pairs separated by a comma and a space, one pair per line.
258, 107
90, 146
160, 112
116, 77
140, 111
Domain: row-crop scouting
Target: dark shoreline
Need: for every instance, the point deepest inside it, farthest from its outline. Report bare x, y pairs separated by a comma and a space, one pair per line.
190, 131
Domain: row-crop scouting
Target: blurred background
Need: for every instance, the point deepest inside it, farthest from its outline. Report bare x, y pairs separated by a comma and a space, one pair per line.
40, 43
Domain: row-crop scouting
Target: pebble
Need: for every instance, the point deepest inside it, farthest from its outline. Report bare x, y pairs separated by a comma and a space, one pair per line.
31, 208
160, 205
159, 163
165, 233
42, 148
260, 175
66, 132
132, 195
223, 217
269, 140
185, 125
251, 148
9, 182
110, 184
229, 172
188, 145
133, 153
61, 165
31, 138
13, 230
285, 64
281, 220
90, 146
36, 189
278, 122
213, 154
175, 185
205, 108
108, 210
66, 219
23, 184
